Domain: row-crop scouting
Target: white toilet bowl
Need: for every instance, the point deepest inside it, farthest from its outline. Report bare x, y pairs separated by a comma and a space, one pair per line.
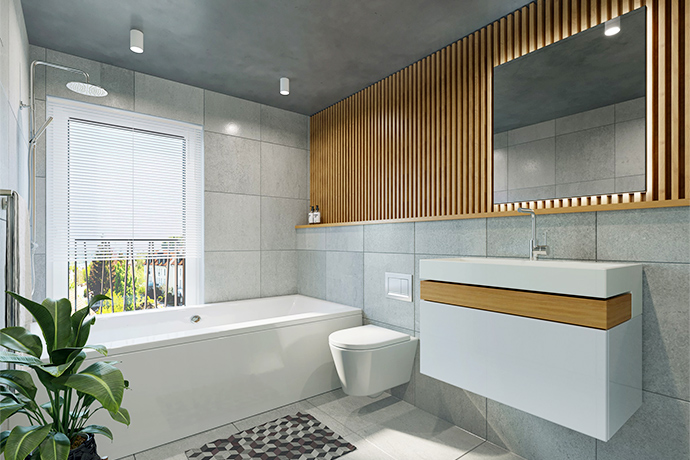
370, 359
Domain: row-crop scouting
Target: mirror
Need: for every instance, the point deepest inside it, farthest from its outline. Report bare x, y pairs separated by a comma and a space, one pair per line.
569, 118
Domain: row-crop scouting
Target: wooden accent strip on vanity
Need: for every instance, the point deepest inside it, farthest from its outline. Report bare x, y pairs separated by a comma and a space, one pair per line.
580, 311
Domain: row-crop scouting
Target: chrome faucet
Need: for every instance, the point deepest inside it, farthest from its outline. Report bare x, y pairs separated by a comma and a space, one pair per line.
535, 249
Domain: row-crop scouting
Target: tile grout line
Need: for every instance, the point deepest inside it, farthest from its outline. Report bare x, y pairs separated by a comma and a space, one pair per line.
255, 140
687, 401
260, 206
222, 192
471, 450
486, 418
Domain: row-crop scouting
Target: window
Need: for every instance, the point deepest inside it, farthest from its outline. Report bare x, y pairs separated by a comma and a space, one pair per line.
124, 197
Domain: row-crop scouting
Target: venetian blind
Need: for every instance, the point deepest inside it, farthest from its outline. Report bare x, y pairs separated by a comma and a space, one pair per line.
122, 185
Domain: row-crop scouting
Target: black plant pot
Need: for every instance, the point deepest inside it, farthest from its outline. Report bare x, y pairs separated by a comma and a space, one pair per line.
86, 451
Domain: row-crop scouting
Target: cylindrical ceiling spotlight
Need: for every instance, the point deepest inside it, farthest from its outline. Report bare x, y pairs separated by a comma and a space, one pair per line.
612, 26
284, 86
136, 41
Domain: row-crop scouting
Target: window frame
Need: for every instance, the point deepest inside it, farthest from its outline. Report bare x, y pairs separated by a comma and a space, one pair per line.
57, 272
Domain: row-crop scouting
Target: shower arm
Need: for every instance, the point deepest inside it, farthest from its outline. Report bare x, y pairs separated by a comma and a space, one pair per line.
32, 95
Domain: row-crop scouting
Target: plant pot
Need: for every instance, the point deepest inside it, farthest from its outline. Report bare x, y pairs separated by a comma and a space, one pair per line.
85, 451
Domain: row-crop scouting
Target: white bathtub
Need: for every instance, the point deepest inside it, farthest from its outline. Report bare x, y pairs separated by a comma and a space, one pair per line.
240, 359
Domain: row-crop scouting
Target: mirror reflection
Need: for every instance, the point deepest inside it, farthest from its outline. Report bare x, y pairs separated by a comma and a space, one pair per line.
569, 119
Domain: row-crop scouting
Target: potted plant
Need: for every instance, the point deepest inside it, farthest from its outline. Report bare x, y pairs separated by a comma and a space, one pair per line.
57, 429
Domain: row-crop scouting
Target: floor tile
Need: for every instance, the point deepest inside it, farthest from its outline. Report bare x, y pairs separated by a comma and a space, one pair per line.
175, 450
488, 451
355, 412
365, 449
418, 435
290, 409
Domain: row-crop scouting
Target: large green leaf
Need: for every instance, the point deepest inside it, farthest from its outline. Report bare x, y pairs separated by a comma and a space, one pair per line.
3, 439
41, 315
50, 382
121, 415
63, 355
97, 298
55, 447
29, 404
8, 408
16, 358
19, 339
60, 310
98, 429
74, 359
81, 323
85, 330
101, 380
20, 381
23, 440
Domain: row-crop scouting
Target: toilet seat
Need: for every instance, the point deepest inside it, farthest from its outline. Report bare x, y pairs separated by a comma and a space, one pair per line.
367, 337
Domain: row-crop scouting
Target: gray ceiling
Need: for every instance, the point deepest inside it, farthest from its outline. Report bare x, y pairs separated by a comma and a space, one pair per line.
582, 72
329, 49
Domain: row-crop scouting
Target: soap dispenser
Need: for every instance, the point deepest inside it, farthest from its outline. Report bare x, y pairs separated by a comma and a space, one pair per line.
311, 215
317, 215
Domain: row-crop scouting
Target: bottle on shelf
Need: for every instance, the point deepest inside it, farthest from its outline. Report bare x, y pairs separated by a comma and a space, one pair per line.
317, 215
311, 215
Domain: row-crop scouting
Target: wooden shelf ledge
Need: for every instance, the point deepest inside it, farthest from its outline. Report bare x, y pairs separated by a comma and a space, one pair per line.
590, 208
580, 311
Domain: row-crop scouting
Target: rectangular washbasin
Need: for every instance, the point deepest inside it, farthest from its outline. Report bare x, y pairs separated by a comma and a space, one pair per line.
576, 278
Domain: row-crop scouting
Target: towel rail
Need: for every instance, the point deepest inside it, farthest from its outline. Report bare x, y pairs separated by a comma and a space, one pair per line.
9, 198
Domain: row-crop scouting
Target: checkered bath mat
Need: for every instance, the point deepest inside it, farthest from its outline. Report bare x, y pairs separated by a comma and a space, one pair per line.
298, 436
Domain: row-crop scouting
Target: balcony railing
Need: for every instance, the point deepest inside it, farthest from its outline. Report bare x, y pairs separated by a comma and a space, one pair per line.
133, 279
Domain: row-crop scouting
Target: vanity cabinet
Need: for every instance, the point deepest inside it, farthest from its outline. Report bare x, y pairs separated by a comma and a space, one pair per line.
575, 360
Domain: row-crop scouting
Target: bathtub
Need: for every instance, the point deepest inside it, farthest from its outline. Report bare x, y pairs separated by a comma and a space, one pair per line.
241, 358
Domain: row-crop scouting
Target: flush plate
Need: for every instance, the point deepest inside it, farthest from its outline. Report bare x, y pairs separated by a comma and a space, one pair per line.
399, 286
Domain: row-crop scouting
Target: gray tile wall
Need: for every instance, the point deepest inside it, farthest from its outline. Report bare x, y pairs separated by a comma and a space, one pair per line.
14, 137
339, 263
597, 152
255, 166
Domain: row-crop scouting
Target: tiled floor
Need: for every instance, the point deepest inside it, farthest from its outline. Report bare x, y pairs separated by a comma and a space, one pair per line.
382, 428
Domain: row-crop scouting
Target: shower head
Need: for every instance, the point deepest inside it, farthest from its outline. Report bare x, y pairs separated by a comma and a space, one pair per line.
86, 89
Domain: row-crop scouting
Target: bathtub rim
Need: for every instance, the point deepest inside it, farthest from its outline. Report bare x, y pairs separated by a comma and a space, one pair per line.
216, 332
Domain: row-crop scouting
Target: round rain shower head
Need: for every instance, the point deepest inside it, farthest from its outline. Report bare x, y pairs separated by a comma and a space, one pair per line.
87, 89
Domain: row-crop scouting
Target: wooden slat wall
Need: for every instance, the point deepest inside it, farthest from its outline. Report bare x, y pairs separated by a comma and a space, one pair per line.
418, 144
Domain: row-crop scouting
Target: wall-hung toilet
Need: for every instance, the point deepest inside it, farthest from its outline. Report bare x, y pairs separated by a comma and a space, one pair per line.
370, 359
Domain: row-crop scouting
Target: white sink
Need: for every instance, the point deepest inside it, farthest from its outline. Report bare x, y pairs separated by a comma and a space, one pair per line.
585, 279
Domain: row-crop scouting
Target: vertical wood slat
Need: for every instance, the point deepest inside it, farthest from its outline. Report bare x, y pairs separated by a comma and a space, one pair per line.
662, 94
685, 146
419, 143
465, 125
675, 101
488, 191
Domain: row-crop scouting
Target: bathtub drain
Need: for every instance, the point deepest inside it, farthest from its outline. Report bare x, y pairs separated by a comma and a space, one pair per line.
195, 318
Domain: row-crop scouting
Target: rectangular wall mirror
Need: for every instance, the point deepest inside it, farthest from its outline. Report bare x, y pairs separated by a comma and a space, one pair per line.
569, 118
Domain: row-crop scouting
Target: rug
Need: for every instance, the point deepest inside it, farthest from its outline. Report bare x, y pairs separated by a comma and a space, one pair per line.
298, 436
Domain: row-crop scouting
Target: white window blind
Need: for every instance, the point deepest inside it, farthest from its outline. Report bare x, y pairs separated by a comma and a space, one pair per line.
122, 185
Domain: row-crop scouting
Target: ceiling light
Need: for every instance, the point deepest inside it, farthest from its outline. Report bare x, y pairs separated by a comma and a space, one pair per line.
613, 26
284, 86
136, 41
